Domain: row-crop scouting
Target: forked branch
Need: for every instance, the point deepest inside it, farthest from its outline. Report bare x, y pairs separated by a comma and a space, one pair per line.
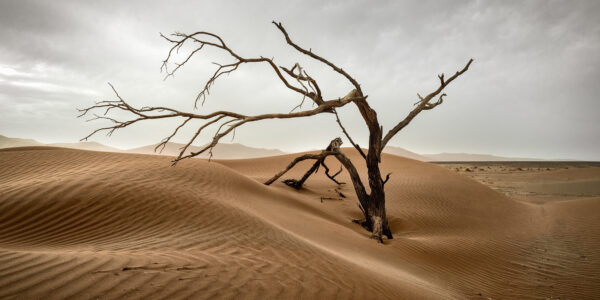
304, 157
207, 39
424, 104
334, 145
231, 119
317, 57
332, 177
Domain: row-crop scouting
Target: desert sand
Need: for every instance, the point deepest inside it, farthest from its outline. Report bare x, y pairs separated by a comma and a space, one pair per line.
80, 224
220, 151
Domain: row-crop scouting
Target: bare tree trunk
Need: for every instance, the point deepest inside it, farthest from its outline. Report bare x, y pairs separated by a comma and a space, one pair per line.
376, 212
372, 205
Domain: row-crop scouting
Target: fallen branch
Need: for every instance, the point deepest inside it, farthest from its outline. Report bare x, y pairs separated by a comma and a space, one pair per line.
333, 146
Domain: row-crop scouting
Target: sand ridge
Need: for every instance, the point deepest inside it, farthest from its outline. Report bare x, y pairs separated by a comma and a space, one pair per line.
82, 224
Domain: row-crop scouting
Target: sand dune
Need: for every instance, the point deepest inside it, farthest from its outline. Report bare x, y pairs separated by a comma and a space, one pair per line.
405, 153
80, 224
237, 151
220, 151
7, 142
93, 146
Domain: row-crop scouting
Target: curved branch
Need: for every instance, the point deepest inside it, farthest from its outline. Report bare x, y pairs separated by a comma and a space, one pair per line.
359, 187
334, 145
305, 77
325, 107
319, 156
423, 104
179, 39
356, 146
387, 177
368, 114
237, 120
166, 140
429, 106
184, 148
317, 57
332, 177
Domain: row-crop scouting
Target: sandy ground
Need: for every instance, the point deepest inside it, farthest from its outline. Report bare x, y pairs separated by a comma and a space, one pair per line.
94, 225
535, 181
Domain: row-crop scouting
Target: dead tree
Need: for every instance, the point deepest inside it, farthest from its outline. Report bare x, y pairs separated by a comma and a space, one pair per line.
297, 80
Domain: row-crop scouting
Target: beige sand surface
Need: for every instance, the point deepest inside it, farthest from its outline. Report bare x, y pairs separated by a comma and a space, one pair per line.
535, 181
80, 224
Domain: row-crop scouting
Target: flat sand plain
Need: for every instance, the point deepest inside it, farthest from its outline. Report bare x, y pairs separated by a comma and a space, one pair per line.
537, 181
80, 224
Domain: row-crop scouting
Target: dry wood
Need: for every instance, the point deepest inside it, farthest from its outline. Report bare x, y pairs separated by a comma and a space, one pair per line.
297, 80
334, 145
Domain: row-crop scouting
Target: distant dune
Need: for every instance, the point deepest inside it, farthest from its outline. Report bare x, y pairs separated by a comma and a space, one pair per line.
473, 157
452, 156
94, 146
404, 153
6, 142
221, 151
84, 225
238, 151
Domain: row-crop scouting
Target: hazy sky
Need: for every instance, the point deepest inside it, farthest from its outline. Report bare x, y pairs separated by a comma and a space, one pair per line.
531, 92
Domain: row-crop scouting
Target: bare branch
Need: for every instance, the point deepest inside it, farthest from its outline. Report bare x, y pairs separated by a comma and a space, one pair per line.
332, 177
387, 177
429, 106
202, 38
359, 187
317, 57
166, 140
356, 146
368, 114
325, 107
319, 156
334, 145
184, 148
424, 104
149, 113
305, 77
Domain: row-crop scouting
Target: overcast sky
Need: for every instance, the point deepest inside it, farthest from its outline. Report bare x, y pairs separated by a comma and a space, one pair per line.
531, 92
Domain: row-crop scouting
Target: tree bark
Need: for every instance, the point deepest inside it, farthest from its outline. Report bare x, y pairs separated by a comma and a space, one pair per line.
297, 184
334, 145
372, 205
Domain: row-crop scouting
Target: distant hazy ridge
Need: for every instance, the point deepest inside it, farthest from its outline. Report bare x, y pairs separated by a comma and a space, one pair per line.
235, 150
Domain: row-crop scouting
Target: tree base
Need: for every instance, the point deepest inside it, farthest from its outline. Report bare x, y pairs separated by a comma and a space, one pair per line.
368, 227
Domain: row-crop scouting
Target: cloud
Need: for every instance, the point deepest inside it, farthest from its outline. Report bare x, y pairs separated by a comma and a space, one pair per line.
531, 87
